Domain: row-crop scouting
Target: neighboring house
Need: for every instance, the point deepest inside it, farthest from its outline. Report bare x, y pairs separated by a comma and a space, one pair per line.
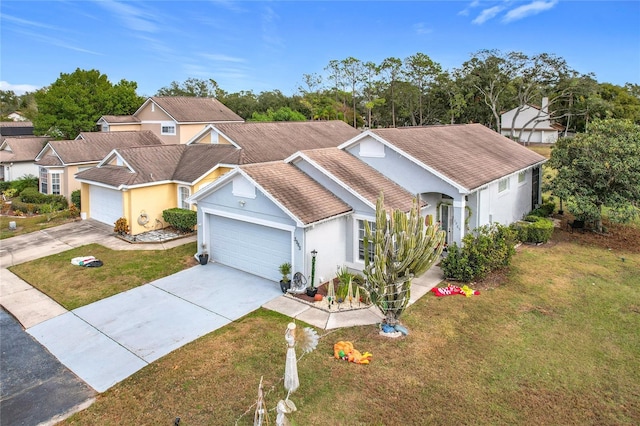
109, 194
16, 128
59, 161
259, 216
174, 119
16, 116
530, 123
18, 156
139, 183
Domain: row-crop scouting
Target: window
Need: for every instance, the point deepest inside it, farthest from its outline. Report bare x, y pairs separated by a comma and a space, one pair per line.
372, 226
168, 128
44, 186
183, 193
55, 183
522, 176
503, 184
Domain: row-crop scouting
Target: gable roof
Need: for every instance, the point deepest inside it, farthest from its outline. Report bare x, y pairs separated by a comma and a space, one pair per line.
119, 119
16, 128
15, 149
271, 141
93, 146
468, 155
296, 191
185, 109
361, 179
151, 164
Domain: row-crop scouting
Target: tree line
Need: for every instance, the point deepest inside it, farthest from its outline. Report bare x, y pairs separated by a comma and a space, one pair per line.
413, 91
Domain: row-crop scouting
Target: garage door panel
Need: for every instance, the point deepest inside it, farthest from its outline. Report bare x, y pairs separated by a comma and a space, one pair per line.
105, 204
253, 248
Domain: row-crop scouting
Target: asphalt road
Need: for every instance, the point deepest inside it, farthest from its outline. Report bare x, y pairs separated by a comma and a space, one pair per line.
35, 388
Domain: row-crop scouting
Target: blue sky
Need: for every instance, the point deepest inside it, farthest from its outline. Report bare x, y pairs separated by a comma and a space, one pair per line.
268, 45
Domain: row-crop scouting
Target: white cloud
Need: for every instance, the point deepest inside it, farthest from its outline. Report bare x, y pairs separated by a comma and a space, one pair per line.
270, 28
465, 11
134, 18
25, 22
221, 58
420, 28
532, 8
18, 89
488, 14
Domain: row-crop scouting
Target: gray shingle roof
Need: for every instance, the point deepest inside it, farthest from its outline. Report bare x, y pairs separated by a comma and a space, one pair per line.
94, 146
261, 142
361, 177
184, 163
23, 148
304, 197
196, 110
469, 154
120, 119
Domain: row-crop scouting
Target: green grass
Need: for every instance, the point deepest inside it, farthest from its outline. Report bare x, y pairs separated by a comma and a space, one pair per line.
29, 224
75, 286
557, 343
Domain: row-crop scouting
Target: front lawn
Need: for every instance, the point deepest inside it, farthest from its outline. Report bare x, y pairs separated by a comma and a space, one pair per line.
75, 286
555, 340
26, 224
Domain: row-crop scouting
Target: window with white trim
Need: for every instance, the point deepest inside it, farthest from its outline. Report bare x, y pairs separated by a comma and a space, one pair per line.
503, 184
55, 183
372, 226
44, 184
184, 192
522, 176
168, 128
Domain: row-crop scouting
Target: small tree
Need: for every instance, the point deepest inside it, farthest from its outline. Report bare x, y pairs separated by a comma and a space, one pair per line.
403, 248
599, 168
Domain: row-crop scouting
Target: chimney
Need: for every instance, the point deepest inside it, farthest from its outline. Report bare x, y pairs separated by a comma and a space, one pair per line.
545, 105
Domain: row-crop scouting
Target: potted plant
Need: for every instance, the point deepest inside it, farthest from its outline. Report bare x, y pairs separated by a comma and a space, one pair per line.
203, 257
285, 271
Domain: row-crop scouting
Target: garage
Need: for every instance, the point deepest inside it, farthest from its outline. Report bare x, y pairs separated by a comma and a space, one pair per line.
255, 248
105, 204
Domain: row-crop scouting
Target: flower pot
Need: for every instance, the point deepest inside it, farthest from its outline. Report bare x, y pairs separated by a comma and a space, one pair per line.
203, 258
285, 286
311, 291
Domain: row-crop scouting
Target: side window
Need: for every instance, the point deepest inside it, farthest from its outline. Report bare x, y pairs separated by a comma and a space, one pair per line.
372, 226
183, 193
168, 128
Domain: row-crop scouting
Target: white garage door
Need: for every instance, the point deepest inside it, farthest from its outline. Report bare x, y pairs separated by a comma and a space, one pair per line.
253, 248
105, 204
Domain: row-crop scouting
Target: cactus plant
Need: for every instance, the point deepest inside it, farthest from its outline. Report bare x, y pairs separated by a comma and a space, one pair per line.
403, 248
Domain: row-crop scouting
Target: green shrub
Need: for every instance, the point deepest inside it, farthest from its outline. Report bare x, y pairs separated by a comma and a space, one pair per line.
490, 247
26, 208
545, 210
182, 219
538, 230
75, 199
4, 185
31, 195
26, 181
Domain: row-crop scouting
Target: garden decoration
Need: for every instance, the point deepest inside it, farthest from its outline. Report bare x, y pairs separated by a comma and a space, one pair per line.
331, 293
299, 284
345, 351
260, 414
350, 292
451, 290
307, 340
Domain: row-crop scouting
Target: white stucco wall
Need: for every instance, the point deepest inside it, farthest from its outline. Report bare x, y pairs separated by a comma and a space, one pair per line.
15, 171
328, 239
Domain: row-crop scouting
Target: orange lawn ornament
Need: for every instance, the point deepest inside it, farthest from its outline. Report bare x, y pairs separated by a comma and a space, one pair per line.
346, 351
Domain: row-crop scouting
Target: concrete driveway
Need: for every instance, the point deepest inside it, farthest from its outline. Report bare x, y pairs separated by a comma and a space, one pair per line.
107, 341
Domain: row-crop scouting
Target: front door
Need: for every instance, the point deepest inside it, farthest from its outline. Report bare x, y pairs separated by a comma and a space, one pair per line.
446, 221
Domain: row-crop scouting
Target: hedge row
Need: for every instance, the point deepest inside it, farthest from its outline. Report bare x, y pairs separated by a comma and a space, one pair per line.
182, 219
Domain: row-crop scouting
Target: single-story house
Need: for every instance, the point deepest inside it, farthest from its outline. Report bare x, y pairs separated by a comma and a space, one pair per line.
261, 215
18, 156
59, 161
109, 194
139, 183
529, 123
174, 119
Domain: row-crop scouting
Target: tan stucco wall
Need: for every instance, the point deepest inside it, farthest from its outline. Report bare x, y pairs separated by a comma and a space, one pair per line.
85, 199
188, 131
209, 178
124, 127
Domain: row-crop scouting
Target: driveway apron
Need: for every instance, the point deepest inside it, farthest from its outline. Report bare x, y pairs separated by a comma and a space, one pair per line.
107, 341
